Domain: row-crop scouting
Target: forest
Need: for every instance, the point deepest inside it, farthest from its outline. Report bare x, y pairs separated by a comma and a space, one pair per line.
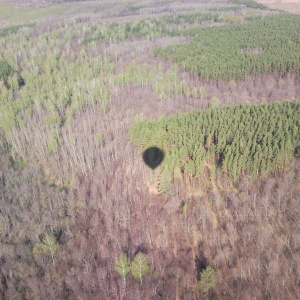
149, 150
254, 140
270, 44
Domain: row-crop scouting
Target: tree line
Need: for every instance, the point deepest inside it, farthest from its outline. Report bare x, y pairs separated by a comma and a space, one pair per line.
250, 3
150, 28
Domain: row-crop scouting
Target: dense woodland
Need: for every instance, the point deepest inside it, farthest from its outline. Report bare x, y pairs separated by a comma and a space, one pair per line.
270, 44
147, 152
254, 140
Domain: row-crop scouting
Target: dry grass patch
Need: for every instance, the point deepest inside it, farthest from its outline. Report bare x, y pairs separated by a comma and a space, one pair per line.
292, 6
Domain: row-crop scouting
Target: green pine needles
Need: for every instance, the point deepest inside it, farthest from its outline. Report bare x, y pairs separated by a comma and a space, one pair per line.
208, 279
240, 139
250, 3
234, 51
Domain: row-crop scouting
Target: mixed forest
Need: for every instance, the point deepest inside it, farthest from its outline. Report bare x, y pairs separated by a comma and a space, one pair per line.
149, 150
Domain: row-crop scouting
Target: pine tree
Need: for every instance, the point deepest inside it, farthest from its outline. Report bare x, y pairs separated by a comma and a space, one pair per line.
208, 279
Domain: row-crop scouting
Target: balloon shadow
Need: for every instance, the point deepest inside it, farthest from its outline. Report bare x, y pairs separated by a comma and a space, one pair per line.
153, 157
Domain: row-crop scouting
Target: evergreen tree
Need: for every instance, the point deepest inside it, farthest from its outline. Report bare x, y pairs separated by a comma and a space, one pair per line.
208, 279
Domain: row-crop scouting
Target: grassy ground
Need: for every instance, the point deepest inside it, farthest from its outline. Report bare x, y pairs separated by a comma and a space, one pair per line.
14, 13
11, 14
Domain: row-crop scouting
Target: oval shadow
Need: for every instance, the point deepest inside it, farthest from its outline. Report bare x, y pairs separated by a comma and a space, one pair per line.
153, 157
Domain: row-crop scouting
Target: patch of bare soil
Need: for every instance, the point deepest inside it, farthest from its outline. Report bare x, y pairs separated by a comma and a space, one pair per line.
292, 6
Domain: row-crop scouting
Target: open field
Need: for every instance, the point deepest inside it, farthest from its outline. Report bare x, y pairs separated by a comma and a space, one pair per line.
292, 6
18, 12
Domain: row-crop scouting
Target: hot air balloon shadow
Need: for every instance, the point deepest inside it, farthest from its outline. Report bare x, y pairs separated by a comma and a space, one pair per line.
153, 157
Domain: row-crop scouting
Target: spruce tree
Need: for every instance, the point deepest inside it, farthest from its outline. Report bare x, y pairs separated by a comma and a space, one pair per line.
208, 279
